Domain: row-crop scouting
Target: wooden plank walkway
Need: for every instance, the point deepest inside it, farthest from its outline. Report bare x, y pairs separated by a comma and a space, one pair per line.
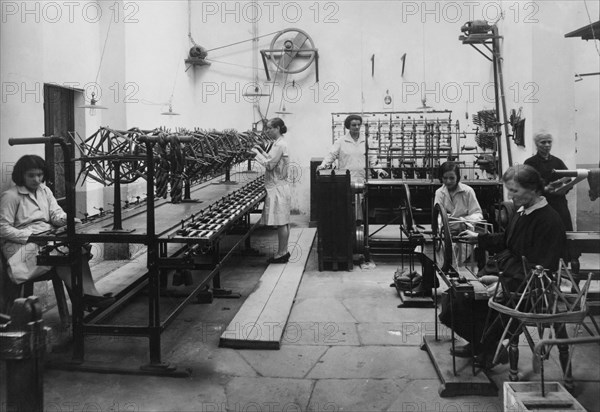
261, 321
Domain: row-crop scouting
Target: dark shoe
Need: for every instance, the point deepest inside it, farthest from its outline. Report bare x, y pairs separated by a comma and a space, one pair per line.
280, 259
101, 302
462, 351
486, 360
483, 362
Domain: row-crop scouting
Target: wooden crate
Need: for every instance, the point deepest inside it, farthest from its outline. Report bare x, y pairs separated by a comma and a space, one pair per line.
527, 396
336, 226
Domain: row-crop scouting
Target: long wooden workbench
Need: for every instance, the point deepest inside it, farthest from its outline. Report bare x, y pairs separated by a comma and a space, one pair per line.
232, 203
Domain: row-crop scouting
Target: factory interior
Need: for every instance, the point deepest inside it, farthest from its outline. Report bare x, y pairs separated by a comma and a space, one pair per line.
348, 205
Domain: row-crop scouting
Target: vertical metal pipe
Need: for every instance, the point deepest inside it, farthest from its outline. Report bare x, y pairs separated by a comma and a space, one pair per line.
117, 221
500, 89
152, 263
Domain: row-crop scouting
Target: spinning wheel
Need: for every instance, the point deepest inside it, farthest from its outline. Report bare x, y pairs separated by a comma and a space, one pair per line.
442, 238
538, 302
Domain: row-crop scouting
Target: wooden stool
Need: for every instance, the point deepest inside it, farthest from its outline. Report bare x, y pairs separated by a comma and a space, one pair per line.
59, 293
10, 291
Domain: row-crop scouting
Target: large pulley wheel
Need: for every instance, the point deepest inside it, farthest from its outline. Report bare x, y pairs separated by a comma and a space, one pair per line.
292, 51
442, 238
505, 214
359, 241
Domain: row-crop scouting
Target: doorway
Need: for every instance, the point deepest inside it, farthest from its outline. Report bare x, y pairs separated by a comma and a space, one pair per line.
58, 121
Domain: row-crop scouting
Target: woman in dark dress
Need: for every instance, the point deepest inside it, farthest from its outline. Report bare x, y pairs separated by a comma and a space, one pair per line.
545, 163
535, 232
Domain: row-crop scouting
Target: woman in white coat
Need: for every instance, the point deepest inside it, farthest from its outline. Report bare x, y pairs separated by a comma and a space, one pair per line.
276, 211
29, 208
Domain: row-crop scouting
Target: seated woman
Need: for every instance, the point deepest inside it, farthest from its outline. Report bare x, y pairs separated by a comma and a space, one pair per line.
535, 232
458, 199
29, 208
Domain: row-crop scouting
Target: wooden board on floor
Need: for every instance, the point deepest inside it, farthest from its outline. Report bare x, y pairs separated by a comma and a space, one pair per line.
260, 322
464, 382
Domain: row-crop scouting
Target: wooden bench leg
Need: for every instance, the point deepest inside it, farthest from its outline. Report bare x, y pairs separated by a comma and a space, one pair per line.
61, 302
27, 289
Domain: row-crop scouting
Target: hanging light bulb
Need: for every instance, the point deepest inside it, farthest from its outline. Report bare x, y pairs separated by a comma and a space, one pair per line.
170, 112
93, 106
283, 111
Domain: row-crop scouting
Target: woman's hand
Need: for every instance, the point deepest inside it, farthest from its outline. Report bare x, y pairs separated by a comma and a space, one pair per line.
557, 185
260, 155
491, 290
63, 222
468, 236
381, 173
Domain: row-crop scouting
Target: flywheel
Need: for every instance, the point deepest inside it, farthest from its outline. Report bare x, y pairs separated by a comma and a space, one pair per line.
292, 51
442, 238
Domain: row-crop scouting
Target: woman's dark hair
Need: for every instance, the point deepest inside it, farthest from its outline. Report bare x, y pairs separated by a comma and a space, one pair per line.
526, 176
350, 118
277, 122
449, 167
25, 163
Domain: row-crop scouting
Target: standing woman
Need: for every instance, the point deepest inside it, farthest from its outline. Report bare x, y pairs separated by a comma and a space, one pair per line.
30, 208
276, 211
545, 163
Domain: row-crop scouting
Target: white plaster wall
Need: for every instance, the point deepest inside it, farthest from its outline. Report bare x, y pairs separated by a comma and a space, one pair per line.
347, 34
143, 69
567, 109
22, 112
586, 59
